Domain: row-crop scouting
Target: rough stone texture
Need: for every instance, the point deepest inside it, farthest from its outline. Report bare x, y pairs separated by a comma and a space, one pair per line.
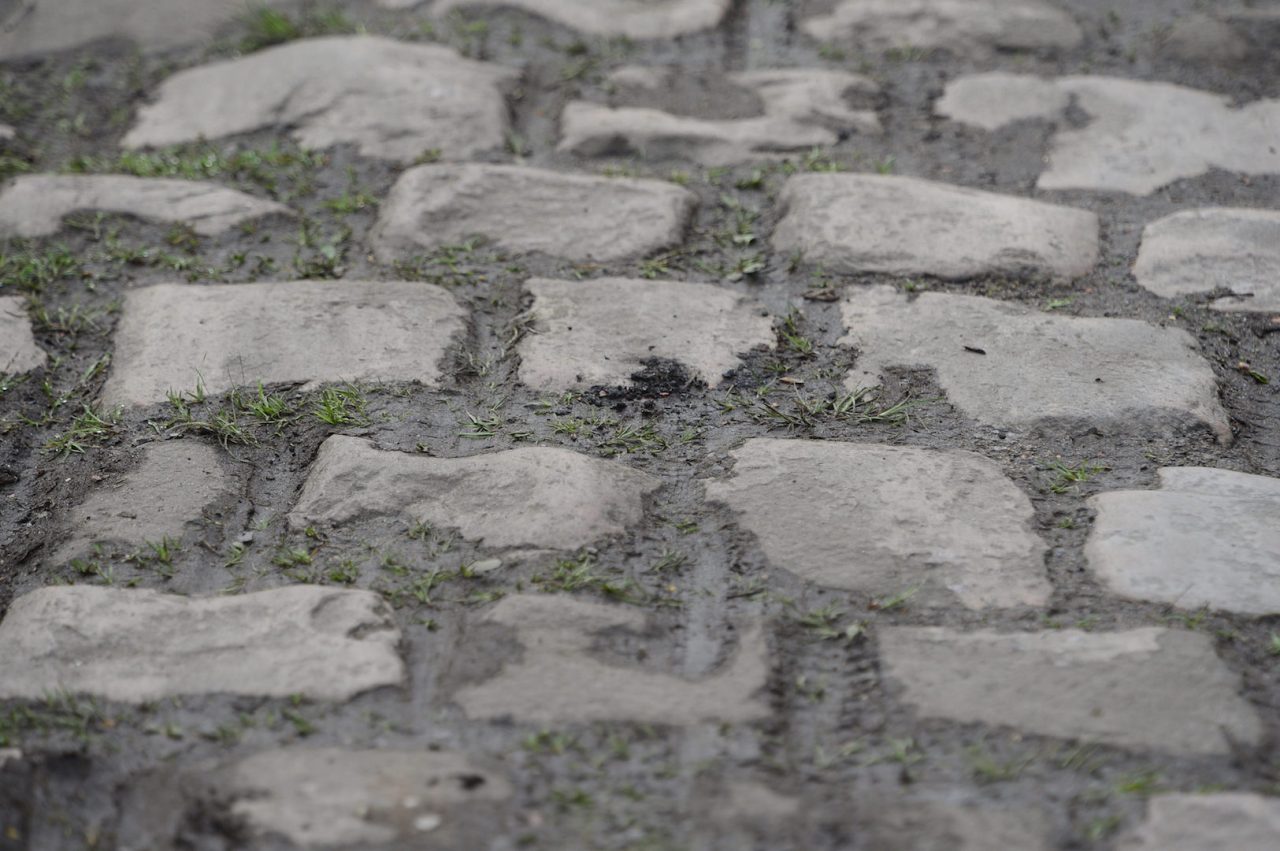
852, 223
971, 27
32, 27
1200, 38
638, 19
539, 498
881, 519
1143, 688
18, 350
570, 216
581, 339
318, 797
173, 335
34, 205
803, 109
1139, 135
175, 481
141, 645
1207, 537
1227, 821
559, 680
948, 822
1033, 367
393, 99
1199, 250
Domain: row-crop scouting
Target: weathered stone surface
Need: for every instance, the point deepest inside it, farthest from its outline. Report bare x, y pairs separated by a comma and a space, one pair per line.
1033, 367
18, 350
1207, 537
582, 339
135, 645
317, 797
948, 822
1227, 821
175, 481
539, 498
393, 99
172, 336
803, 109
559, 680
639, 19
571, 216
1139, 135
1197, 251
1200, 38
34, 205
881, 519
1143, 688
32, 27
852, 223
970, 27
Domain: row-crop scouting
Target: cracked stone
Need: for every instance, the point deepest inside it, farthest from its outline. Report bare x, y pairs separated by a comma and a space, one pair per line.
172, 336
139, 645
570, 216
34, 205
532, 498
803, 109
1207, 537
581, 339
1148, 688
1140, 135
946, 522
33, 27
1225, 821
19, 352
1196, 251
965, 27
170, 488
1011, 366
394, 100
851, 223
638, 19
559, 680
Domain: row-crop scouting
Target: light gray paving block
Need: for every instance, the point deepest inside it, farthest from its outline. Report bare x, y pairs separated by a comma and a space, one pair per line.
19, 351
570, 216
134, 645
173, 336
638, 19
884, 519
1225, 821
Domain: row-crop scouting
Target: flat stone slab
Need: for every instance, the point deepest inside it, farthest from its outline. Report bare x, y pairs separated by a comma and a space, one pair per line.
532, 498
946, 522
583, 339
947, 821
34, 205
172, 336
1207, 537
558, 679
965, 27
1196, 251
802, 109
136, 645
1032, 367
321, 797
638, 19
19, 352
570, 216
173, 484
852, 223
1150, 688
394, 100
1226, 821
1139, 135
33, 27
